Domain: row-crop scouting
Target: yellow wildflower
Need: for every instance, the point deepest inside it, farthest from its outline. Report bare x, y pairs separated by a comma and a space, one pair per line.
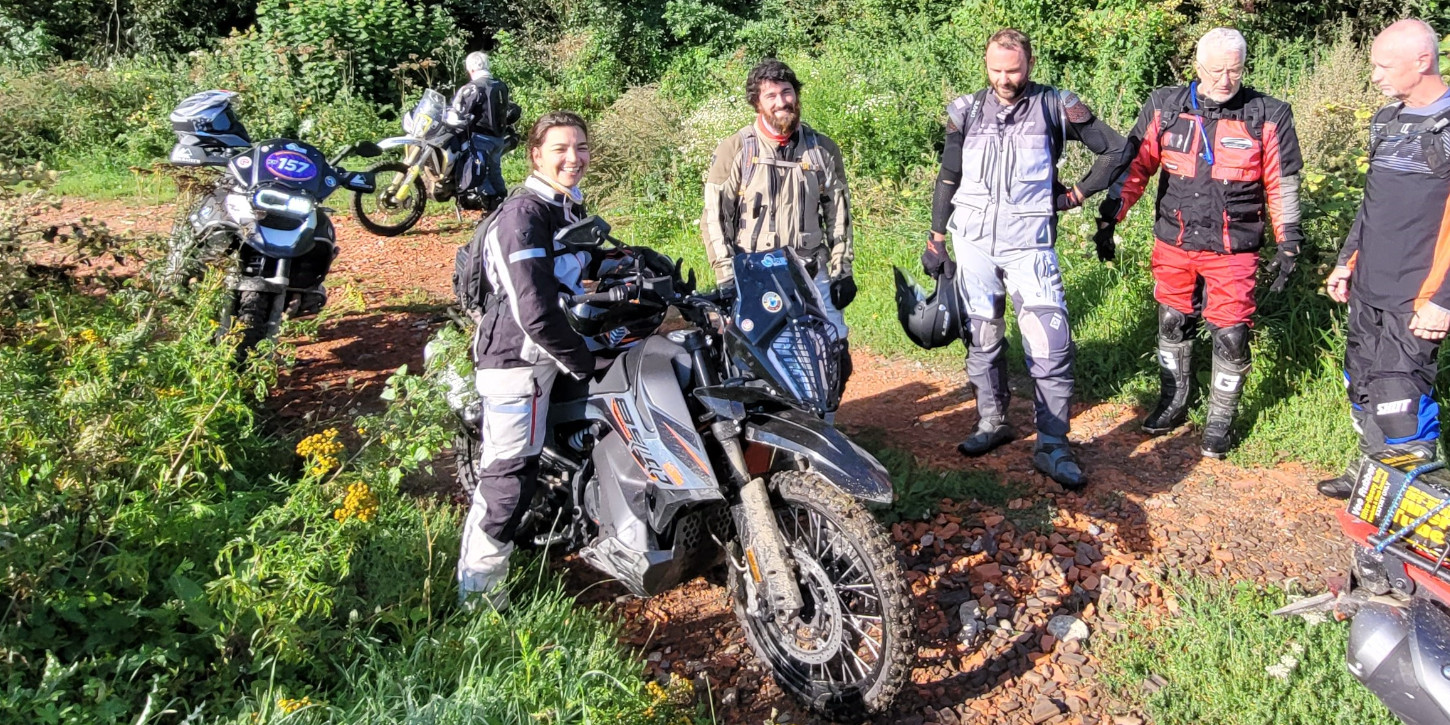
89, 336
289, 706
360, 503
321, 450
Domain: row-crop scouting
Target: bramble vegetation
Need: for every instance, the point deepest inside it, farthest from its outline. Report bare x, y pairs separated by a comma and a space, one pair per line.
164, 554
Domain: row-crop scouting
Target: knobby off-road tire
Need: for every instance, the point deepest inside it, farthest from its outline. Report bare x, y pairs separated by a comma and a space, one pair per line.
253, 311
466, 456
181, 262
412, 209
852, 664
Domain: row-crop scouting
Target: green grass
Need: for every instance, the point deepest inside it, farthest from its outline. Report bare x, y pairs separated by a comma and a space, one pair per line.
102, 177
1214, 654
920, 490
544, 659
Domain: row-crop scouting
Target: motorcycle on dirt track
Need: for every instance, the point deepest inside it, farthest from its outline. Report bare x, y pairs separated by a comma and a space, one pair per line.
1399, 586
433, 155
262, 217
704, 443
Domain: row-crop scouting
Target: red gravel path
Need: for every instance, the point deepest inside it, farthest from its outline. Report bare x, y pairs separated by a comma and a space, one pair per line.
1153, 505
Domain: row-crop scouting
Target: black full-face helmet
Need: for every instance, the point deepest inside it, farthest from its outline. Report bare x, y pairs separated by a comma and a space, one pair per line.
934, 320
206, 119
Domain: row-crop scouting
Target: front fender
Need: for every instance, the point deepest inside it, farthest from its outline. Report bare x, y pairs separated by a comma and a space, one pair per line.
831, 454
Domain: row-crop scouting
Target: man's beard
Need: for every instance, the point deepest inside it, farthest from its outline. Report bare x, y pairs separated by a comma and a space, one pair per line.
1216, 97
784, 121
1009, 91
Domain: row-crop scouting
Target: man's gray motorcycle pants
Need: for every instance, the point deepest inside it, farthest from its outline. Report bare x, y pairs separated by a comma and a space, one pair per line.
1031, 278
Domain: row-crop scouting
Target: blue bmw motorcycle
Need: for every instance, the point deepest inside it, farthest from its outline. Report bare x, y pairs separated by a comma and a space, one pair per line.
263, 218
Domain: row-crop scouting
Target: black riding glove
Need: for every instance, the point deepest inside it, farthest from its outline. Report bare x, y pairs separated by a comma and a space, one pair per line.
843, 290
935, 261
1286, 258
1107, 227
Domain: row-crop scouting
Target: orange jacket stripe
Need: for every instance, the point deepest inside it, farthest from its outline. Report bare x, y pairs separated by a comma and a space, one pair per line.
1436, 277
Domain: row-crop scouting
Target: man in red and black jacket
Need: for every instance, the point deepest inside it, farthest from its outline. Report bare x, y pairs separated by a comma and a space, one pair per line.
1227, 160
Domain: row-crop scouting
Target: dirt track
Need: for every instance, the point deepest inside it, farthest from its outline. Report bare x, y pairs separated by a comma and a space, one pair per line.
1153, 504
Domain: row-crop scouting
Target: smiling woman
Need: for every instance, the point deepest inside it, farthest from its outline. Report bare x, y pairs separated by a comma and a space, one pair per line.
559, 149
529, 341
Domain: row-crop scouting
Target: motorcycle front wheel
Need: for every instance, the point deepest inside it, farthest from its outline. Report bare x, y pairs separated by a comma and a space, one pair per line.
849, 652
381, 212
253, 314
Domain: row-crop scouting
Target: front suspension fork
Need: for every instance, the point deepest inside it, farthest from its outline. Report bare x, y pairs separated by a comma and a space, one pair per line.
400, 194
767, 561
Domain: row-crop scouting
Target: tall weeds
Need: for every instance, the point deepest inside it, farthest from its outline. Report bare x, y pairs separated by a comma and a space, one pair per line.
163, 555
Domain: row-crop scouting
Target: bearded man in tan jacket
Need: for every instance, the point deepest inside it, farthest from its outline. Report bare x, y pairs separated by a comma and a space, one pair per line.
779, 183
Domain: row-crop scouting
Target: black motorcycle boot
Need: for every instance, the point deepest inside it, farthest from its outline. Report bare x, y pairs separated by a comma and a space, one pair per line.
1223, 406
1342, 486
991, 432
470, 200
1053, 457
1175, 380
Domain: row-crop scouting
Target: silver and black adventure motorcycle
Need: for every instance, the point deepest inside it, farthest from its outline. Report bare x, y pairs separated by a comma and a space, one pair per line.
703, 444
1398, 590
433, 155
263, 215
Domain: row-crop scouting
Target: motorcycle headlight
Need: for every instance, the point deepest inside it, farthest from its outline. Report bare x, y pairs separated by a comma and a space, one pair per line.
281, 202
803, 352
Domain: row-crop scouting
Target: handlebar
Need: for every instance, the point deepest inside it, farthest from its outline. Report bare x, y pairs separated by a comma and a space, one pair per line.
617, 294
720, 295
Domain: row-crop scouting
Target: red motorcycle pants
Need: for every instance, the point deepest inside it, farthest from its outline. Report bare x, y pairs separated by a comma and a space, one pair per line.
1228, 282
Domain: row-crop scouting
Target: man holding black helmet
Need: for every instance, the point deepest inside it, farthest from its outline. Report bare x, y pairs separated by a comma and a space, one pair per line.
998, 195
1229, 157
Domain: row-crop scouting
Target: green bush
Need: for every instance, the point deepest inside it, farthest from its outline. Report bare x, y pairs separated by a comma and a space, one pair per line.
575, 70
97, 30
80, 107
331, 46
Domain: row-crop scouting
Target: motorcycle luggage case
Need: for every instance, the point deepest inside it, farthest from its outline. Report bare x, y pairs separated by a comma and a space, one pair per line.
1381, 486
